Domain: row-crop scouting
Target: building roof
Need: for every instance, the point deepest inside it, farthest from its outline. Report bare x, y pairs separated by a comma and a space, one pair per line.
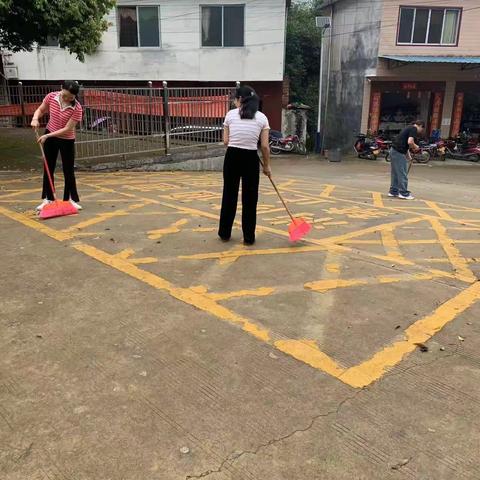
432, 59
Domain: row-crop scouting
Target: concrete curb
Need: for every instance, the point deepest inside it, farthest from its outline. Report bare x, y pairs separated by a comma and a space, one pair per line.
200, 158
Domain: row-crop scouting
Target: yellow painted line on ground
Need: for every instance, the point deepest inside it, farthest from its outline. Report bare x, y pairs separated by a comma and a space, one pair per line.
418, 242
173, 228
420, 332
368, 230
129, 252
391, 244
327, 191
326, 285
332, 284
363, 242
258, 292
36, 225
377, 199
332, 267
465, 229
22, 201
463, 222
246, 252
307, 351
330, 242
439, 211
304, 350
102, 217
186, 295
432, 242
286, 184
455, 257
204, 229
17, 193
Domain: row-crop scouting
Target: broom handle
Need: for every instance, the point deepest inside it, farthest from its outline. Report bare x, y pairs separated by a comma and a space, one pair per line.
410, 163
280, 196
52, 186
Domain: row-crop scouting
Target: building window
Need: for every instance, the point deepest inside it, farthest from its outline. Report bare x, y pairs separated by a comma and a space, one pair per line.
428, 26
139, 26
223, 26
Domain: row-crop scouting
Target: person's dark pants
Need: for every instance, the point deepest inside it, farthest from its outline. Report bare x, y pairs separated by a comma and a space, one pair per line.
245, 165
399, 167
66, 148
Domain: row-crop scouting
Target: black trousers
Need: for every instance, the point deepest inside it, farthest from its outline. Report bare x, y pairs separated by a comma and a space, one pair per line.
245, 165
66, 148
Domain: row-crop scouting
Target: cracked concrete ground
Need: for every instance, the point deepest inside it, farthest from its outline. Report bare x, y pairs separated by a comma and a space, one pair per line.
124, 358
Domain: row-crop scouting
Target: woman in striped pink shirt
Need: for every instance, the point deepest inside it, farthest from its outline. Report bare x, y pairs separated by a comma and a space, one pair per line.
65, 112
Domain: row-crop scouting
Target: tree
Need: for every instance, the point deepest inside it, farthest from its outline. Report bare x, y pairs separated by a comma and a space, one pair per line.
77, 24
303, 55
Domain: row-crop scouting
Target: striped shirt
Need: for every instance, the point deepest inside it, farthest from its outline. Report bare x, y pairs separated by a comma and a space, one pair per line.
59, 117
245, 133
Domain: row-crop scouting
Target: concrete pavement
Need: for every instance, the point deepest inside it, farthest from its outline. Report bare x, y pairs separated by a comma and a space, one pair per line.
137, 346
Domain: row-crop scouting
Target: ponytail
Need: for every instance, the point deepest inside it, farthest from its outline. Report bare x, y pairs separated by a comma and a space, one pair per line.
249, 102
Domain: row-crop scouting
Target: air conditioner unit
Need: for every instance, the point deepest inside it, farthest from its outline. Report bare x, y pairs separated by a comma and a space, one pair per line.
11, 72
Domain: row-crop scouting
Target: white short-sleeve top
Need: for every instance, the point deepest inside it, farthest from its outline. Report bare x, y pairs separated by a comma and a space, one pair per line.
245, 133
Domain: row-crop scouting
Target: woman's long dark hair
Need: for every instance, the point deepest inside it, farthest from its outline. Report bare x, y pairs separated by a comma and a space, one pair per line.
73, 87
249, 102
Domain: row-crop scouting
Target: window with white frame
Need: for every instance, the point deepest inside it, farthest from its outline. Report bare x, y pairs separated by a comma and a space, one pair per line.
223, 26
428, 26
139, 26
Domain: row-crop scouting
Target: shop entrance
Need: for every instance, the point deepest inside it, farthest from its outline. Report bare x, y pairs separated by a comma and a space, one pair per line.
399, 104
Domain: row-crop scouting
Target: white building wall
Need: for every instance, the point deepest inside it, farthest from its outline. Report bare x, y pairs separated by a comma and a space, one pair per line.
180, 56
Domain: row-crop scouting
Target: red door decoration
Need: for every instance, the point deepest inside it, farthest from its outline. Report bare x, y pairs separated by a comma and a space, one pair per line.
436, 111
457, 114
375, 112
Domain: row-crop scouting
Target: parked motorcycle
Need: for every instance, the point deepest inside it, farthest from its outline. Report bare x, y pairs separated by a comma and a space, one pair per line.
366, 148
384, 145
426, 152
465, 148
289, 144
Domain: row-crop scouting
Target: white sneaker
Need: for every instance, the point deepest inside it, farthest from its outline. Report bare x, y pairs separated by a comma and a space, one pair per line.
406, 197
76, 205
392, 195
44, 202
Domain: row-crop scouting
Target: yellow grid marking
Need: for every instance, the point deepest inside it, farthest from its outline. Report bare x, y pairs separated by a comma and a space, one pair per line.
437, 217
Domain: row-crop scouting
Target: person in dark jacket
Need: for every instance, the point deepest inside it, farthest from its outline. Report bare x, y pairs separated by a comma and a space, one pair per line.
406, 140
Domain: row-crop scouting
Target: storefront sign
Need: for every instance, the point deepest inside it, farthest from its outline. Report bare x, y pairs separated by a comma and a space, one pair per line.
457, 114
436, 111
409, 86
375, 111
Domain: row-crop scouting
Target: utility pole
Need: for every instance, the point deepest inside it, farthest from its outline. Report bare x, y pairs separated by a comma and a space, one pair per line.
324, 24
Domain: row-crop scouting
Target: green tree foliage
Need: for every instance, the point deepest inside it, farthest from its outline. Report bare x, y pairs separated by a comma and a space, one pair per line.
303, 55
78, 24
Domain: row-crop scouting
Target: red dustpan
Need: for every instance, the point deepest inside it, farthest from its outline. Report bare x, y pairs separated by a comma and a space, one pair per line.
57, 208
299, 227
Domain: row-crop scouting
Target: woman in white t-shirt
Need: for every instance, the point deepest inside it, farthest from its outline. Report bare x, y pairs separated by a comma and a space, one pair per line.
243, 128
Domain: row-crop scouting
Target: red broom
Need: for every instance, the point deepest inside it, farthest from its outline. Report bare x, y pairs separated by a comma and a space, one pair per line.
299, 226
57, 208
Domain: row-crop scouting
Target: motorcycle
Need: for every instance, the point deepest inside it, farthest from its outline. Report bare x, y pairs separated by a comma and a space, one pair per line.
289, 144
366, 147
384, 146
469, 151
426, 152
